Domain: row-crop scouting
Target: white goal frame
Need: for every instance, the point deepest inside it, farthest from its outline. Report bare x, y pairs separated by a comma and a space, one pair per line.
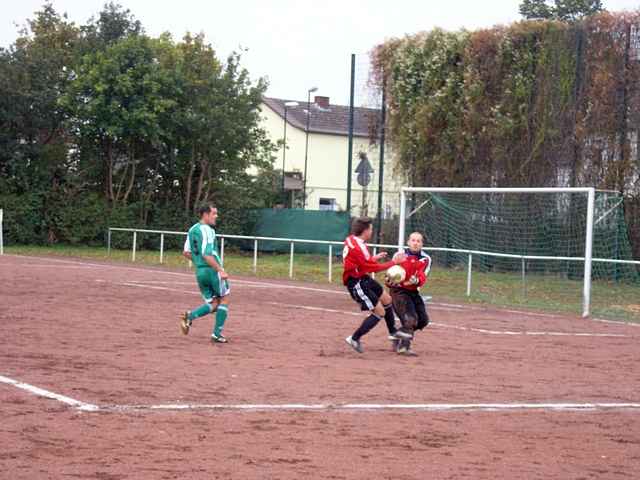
1, 237
588, 257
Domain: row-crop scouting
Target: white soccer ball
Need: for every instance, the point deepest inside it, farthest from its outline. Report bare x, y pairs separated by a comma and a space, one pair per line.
396, 274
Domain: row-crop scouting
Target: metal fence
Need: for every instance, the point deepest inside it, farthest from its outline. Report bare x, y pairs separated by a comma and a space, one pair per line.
330, 247
256, 240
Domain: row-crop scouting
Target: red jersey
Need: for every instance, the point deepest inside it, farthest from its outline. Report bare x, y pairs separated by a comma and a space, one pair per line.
418, 264
357, 261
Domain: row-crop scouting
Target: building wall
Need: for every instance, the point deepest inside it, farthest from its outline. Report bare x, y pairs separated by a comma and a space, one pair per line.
327, 166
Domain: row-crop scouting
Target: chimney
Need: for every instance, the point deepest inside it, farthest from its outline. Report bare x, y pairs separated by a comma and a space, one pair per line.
322, 102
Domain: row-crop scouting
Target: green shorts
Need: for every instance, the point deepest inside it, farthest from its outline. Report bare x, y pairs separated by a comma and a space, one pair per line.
211, 285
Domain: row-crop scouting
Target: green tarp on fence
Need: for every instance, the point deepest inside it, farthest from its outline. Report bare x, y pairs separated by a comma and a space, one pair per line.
302, 224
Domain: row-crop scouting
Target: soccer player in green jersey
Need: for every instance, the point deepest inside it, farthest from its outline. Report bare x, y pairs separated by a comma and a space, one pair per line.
210, 275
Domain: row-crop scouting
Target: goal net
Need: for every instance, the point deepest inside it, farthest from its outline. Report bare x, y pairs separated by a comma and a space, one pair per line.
564, 248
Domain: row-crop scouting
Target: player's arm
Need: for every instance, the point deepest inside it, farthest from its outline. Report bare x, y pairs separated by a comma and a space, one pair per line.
372, 266
424, 271
213, 263
186, 250
420, 277
206, 251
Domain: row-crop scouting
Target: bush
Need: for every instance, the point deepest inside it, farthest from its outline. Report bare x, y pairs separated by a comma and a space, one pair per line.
23, 220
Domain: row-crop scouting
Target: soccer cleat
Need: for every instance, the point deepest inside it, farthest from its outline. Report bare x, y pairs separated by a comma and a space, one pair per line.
218, 339
185, 323
399, 335
356, 345
404, 348
407, 352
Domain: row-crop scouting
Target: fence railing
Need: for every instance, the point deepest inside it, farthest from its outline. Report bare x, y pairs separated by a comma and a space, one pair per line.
222, 237
330, 244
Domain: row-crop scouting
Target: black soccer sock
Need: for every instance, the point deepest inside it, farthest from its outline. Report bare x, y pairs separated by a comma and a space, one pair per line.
423, 317
367, 324
390, 319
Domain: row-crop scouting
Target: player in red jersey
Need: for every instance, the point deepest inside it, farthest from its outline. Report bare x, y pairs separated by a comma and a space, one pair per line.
407, 301
358, 264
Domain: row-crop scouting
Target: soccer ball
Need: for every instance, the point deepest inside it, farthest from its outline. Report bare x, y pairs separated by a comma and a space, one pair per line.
396, 274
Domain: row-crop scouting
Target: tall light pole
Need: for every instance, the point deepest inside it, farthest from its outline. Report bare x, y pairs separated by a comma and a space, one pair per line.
306, 147
284, 146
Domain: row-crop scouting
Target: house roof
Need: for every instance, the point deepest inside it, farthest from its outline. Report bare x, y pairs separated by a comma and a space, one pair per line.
333, 120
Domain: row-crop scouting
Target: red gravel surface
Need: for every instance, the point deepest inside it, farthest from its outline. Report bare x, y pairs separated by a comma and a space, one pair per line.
108, 335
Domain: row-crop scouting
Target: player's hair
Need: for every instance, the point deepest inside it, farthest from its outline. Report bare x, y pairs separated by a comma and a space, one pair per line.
205, 208
417, 233
360, 224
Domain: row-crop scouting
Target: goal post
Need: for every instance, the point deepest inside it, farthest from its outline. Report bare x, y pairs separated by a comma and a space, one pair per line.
491, 217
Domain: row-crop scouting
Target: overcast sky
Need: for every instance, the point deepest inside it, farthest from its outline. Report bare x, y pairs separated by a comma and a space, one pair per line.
295, 44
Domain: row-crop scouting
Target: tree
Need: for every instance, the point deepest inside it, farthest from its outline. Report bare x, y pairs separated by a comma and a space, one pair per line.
217, 127
34, 161
572, 10
118, 100
536, 9
564, 10
32, 74
113, 23
105, 123
543, 103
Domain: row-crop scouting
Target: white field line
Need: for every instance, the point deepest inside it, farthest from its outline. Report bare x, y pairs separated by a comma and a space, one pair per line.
44, 265
154, 287
157, 287
469, 329
443, 325
615, 322
88, 407
415, 407
424, 407
318, 290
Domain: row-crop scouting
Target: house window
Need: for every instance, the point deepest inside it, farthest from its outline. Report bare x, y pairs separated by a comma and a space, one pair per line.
328, 204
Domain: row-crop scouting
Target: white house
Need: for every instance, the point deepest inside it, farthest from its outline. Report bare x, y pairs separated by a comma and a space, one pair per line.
327, 155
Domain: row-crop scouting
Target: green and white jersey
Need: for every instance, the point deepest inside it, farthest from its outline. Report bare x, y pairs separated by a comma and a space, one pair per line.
202, 241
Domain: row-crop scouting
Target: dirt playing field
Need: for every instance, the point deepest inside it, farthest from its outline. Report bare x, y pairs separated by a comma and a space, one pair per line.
97, 382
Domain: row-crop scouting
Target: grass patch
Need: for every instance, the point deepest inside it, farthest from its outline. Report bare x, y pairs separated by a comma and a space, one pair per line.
542, 293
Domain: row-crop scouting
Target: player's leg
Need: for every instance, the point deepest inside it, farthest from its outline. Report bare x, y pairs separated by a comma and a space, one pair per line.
417, 317
369, 300
222, 313
405, 308
395, 333
365, 327
389, 317
421, 311
375, 290
221, 289
206, 290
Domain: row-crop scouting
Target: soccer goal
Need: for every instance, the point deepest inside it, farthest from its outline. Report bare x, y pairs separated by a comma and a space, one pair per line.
538, 244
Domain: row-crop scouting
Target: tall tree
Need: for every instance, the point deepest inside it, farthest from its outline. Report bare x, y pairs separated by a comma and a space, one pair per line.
112, 24
104, 123
218, 131
565, 10
118, 100
536, 9
34, 72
